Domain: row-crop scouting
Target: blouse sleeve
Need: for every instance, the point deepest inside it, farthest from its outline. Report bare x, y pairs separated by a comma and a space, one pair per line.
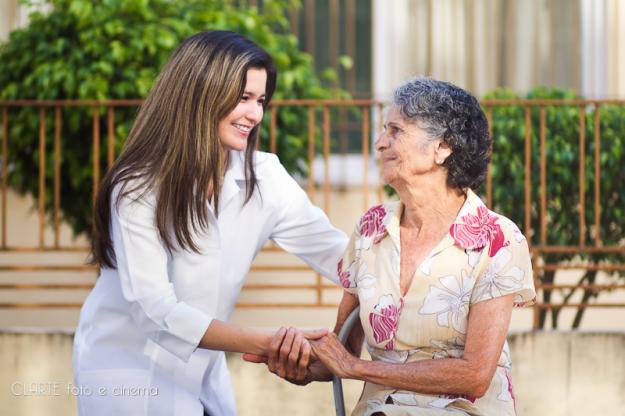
142, 267
347, 267
509, 271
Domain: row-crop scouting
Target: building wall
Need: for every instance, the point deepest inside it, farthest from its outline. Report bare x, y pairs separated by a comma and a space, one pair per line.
484, 44
554, 373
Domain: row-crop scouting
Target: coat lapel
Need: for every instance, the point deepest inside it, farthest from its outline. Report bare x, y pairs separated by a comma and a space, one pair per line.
234, 179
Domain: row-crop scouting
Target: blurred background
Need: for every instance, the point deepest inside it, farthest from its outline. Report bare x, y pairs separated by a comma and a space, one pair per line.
548, 73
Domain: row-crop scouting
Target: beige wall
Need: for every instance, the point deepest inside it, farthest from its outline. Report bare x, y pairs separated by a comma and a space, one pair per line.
484, 44
555, 374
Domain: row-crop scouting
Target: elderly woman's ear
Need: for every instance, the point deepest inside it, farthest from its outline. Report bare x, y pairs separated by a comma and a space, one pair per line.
441, 151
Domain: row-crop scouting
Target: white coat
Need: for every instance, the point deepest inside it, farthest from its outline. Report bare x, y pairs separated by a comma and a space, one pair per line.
135, 348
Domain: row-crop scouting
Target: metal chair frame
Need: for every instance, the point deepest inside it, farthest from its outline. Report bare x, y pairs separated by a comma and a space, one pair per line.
337, 385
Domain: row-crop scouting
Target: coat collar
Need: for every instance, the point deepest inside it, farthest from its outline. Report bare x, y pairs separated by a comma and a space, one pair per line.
234, 179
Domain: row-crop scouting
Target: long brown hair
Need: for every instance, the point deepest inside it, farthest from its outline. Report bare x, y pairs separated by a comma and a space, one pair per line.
173, 147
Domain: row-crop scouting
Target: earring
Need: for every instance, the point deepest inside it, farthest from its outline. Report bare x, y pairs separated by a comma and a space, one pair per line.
439, 162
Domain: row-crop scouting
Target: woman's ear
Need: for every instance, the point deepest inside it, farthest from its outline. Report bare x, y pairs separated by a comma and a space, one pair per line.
441, 152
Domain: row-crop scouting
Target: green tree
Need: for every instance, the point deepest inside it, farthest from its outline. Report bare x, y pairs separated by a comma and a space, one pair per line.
562, 186
113, 49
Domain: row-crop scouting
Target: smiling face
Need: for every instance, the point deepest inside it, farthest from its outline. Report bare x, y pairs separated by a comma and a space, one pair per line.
235, 128
406, 152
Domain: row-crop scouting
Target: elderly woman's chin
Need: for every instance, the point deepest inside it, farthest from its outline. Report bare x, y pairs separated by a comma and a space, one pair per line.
388, 176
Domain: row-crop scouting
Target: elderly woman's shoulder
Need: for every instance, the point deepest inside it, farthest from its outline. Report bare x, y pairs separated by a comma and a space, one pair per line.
381, 212
373, 223
508, 228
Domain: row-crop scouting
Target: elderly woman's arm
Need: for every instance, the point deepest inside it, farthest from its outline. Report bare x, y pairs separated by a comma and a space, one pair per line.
470, 375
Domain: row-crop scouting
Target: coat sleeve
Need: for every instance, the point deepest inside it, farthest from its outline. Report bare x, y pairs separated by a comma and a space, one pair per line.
304, 229
142, 264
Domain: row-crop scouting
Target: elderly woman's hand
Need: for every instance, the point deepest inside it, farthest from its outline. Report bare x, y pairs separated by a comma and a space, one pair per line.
333, 355
289, 355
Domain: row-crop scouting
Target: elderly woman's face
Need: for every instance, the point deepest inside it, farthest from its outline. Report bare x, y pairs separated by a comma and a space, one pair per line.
405, 150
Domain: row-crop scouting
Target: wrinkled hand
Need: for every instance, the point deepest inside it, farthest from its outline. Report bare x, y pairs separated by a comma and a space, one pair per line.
289, 354
333, 355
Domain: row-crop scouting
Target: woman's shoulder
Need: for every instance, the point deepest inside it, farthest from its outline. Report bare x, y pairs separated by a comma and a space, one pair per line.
133, 193
376, 219
380, 211
509, 228
265, 164
478, 222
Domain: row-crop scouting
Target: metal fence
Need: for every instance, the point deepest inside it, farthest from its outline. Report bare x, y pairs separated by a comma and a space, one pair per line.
370, 116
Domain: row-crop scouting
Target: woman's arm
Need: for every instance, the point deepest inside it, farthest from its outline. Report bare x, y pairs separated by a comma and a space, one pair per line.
156, 310
302, 228
226, 337
281, 358
470, 375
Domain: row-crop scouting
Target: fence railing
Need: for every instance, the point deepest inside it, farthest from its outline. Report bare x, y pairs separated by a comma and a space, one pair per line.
369, 115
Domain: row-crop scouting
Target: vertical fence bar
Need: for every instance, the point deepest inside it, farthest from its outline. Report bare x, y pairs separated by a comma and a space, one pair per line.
42, 174
582, 187
489, 173
597, 175
365, 156
543, 178
57, 174
326, 182
96, 152
326, 159
272, 129
111, 136
380, 127
5, 132
535, 308
528, 170
311, 153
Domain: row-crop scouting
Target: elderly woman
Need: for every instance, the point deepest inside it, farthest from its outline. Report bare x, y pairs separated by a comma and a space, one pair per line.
436, 273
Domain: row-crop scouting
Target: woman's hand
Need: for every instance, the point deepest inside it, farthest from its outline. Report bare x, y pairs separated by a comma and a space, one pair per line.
333, 355
289, 354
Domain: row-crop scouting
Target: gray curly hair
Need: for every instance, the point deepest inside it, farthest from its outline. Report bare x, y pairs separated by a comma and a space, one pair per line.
452, 114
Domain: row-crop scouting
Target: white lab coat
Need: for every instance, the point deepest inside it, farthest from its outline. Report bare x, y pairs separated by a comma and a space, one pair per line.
135, 349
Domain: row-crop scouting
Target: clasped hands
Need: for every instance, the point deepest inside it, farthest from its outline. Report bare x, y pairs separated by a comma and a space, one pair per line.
304, 356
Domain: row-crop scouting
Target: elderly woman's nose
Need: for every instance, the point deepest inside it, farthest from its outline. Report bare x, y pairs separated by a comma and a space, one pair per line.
381, 142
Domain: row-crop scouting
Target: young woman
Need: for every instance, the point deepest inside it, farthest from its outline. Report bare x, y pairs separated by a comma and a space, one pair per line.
178, 220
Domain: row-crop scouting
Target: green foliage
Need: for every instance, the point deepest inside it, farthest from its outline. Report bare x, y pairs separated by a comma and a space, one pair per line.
562, 151
113, 49
562, 191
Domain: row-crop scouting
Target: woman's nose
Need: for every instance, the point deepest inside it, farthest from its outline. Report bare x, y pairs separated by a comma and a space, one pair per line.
381, 142
255, 113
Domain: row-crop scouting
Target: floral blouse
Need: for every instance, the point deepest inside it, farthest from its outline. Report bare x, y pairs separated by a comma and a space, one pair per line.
483, 256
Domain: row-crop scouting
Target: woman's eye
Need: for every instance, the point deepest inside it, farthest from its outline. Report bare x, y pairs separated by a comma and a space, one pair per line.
245, 98
261, 101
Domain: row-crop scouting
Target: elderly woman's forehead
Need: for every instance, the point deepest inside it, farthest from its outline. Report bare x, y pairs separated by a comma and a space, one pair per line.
394, 114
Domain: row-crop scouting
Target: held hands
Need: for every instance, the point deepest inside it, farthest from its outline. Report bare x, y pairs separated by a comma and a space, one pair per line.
289, 354
291, 351
334, 356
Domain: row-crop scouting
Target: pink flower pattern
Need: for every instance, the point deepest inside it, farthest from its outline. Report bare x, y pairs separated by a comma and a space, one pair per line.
343, 275
383, 322
510, 388
372, 223
476, 231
